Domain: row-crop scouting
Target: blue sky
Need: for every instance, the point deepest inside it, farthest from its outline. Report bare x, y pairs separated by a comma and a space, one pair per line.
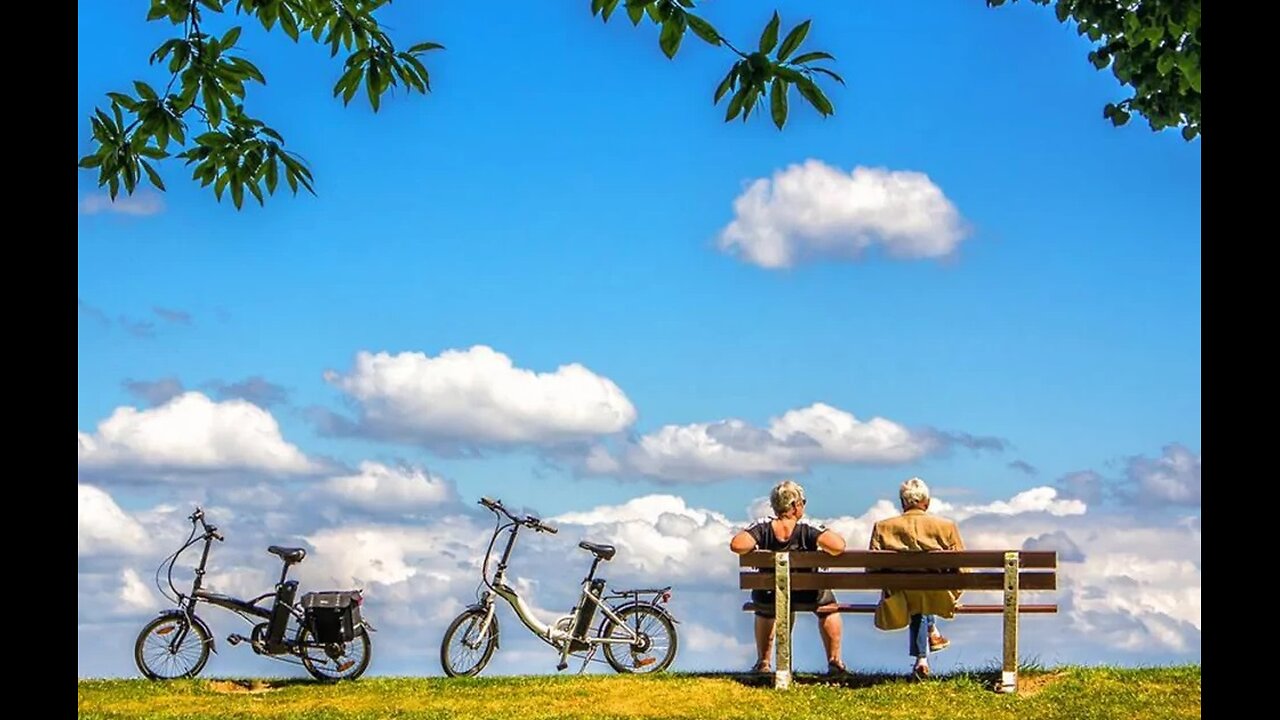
559, 196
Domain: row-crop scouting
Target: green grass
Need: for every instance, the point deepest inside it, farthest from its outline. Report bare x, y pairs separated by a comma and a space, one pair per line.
1075, 693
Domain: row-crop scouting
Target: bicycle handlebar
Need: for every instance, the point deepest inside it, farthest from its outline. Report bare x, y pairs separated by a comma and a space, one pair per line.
528, 521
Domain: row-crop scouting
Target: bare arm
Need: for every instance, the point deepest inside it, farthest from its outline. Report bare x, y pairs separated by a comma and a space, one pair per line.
742, 543
831, 542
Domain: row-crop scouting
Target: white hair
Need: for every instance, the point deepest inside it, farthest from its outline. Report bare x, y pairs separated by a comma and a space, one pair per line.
913, 492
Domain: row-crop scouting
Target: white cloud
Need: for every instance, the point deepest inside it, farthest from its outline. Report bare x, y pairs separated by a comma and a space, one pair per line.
1135, 599
143, 203
190, 434
812, 210
798, 439
1039, 499
478, 396
103, 528
380, 488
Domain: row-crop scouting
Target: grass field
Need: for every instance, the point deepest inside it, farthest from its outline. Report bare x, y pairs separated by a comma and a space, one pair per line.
1075, 693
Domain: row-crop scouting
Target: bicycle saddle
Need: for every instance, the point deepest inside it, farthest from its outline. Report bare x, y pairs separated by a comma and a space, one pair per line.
290, 555
604, 552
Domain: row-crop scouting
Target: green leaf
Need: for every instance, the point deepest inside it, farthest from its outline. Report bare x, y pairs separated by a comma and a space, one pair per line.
672, 34
153, 176
735, 103
636, 13
1165, 63
154, 153
144, 90
249, 69
596, 5
424, 47
1119, 117
237, 193
229, 38
811, 56
703, 29
727, 84
811, 92
769, 37
609, 6
123, 100
289, 24
753, 94
792, 41
778, 102
257, 194
1188, 133
212, 105
1062, 10
90, 161
372, 83
271, 176
825, 71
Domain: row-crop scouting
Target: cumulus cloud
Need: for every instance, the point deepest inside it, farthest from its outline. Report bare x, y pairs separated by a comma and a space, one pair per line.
154, 392
141, 204
189, 434
1136, 599
102, 528
1085, 485
790, 444
1059, 542
478, 397
812, 210
383, 489
1039, 499
1171, 479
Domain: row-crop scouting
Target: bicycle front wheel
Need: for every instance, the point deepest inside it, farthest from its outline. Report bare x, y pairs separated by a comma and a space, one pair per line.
654, 647
468, 644
171, 647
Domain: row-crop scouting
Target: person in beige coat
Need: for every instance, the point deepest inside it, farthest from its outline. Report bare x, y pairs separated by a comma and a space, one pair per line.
916, 531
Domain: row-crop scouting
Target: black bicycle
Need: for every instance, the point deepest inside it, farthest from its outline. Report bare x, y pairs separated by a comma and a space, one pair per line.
330, 637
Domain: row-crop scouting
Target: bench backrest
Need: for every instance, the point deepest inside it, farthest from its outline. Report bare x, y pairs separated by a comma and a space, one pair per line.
892, 570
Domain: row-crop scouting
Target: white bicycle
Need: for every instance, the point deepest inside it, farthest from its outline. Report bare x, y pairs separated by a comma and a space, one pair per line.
637, 635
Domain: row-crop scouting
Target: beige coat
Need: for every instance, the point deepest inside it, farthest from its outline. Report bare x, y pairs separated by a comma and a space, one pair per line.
915, 531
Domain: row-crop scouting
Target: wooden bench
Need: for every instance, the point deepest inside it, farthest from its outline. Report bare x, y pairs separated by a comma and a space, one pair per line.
1010, 571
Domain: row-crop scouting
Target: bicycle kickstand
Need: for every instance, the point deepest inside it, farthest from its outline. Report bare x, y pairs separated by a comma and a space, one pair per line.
587, 658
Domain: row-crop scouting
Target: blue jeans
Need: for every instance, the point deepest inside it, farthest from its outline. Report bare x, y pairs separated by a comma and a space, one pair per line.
918, 639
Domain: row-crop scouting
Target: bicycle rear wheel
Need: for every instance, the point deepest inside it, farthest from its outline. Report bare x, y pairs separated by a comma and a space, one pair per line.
655, 648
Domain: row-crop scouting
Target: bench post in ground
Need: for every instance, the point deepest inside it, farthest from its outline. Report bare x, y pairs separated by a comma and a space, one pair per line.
1009, 669
782, 620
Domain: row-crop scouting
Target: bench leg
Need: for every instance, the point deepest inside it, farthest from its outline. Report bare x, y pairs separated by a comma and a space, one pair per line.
1009, 669
782, 620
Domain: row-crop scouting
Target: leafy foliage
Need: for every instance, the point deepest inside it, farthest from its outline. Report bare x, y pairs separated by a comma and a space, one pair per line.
237, 152
1152, 46
754, 74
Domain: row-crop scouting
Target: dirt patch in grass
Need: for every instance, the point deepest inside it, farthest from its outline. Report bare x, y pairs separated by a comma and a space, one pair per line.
241, 686
1032, 684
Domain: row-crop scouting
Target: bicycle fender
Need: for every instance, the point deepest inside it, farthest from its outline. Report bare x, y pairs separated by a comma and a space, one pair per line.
642, 603
497, 634
196, 619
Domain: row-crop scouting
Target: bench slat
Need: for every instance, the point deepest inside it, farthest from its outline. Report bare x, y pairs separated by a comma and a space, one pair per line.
881, 559
900, 581
871, 608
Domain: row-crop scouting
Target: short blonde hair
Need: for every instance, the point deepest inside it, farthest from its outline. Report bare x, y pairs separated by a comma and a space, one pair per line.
913, 492
784, 495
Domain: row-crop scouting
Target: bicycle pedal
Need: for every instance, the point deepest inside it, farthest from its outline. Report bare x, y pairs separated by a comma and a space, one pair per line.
345, 665
234, 639
642, 662
562, 666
